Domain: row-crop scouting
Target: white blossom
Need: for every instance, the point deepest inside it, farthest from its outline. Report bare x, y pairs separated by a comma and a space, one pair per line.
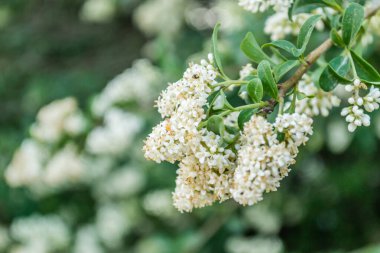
55, 119
87, 241
195, 85
135, 84
262, 159
262, 5
159, 203
317, 102
113, 223
355, 113
45, 233
116, 135
121, 183
258, 244
98, 11
66, 166
150, 17
27, 164
278, 26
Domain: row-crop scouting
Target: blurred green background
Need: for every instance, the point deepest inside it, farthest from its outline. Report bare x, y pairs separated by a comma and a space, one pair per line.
52, 49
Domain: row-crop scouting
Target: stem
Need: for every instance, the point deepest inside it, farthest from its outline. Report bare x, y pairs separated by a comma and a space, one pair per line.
251, 106
231, 82
309, 61
353, 65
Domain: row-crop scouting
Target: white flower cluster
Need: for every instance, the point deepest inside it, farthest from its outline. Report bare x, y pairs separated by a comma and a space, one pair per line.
59, 118
150, 19
87, 241
113, 223
355, 113
205, 169
136, 84
121, 183
373, 28
263, 160
33, 166
42, 234
98, 11
116, 135
159, 203
317, 102
262, 5
278, 26
47, 161
260, 244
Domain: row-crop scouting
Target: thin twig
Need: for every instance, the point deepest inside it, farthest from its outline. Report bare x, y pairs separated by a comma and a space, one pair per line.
310, 60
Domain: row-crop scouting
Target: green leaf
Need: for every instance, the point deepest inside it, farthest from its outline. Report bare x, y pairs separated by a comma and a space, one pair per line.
353, 18
215, 124
366, 72
255, 90
333, 4
245, 116
252, 49
265, 74
220, 102
284, 45
215, 51
331, 75
299, 6
339, 67
305, 32
336, 38
283, 68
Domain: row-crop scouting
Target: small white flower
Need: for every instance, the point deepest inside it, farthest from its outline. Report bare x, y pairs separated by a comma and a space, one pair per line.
278, 26
355, 113
317, 101
262, 5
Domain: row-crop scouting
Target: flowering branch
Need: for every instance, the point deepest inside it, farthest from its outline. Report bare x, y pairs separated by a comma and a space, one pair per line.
227, 151
310, 60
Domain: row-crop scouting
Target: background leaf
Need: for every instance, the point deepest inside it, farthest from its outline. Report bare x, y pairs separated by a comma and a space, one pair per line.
353, 18
252, 49
367, 73
266, 76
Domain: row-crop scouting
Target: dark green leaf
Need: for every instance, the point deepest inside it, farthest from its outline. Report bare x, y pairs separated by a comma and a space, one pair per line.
305, 33
331, 76
265, 74
255, 90
366, 72
284, 45
353, 18
339, 67
215, 124
282, 69
215, 52
336, 38
245, 116
252, 49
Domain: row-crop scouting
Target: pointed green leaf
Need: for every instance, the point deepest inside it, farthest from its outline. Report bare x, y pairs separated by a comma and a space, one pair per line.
252, 49
215, 51
339, 67
245, 116
366, 72
255, 90
283, 68
353, 18
305, 32
336, 38
284, 45
215, 124
334, 73
265, 74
